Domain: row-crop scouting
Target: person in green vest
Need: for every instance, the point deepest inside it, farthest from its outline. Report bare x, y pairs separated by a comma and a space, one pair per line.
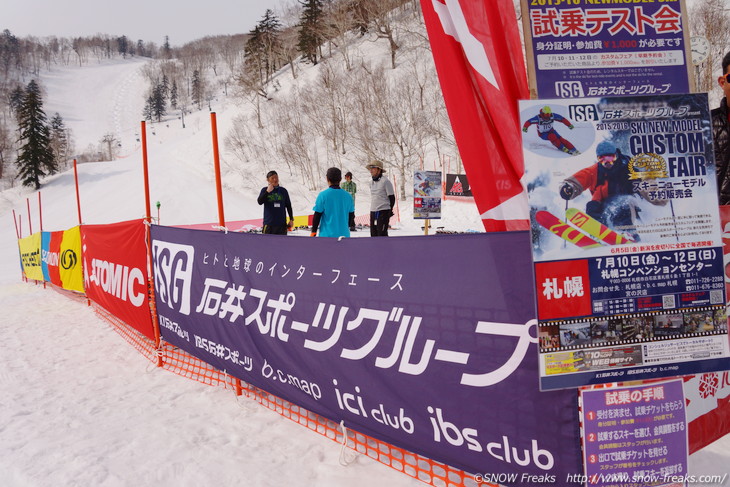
350, 186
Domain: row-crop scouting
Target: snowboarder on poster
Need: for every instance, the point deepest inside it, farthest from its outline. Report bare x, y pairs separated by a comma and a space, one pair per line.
609, 183
545, 130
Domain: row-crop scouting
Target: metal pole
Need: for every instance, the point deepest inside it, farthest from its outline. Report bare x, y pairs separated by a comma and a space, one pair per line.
78, 198
150, 264
30, 221
217, 165
219, 196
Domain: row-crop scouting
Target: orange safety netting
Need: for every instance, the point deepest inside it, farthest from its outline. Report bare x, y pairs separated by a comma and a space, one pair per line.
182, 363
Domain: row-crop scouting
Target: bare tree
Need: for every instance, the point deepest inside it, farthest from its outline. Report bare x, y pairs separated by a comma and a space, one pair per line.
711, 19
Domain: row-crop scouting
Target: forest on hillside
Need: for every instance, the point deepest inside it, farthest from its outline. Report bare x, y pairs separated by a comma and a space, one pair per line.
318, 82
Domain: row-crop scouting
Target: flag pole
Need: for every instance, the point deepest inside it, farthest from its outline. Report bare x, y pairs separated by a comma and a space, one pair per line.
219, 197
148, 237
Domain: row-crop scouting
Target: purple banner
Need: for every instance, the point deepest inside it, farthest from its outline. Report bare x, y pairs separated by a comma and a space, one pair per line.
635, 436
607, 49
360, 330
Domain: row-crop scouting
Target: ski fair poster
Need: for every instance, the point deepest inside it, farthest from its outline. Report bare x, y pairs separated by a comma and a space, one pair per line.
591, 48
635, 436
626, 238
426, 195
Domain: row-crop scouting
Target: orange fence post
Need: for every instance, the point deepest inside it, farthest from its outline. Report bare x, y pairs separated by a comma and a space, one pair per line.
18, 233
78, 199
219, 197
30, 221
148, 219
217, 165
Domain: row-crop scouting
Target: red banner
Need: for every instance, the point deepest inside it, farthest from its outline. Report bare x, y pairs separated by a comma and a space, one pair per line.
115, 271
54, 273
478, 54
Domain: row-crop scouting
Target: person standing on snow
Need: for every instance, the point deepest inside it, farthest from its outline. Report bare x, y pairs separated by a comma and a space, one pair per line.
609, 183
382, 200
276, 205
333, 208
350, 186
545, 121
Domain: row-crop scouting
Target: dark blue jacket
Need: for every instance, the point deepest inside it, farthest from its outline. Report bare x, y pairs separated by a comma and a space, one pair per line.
276, 205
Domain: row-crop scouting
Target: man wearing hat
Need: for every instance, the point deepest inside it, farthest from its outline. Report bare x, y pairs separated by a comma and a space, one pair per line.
609, 184
382, 199
276, 205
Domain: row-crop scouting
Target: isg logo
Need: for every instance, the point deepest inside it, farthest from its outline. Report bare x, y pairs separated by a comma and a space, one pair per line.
569, 89
583, 113
173, 266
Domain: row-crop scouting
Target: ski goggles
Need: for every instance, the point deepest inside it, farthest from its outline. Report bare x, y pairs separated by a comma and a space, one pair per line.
607, 158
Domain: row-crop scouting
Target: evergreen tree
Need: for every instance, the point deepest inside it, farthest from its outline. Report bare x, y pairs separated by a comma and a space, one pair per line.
263, 48
197, 90
140, 48
165, 86
147, 110
310, 29
166, 50
173, 94
35, 158
59, 138
15, 99
123, 46
159, 102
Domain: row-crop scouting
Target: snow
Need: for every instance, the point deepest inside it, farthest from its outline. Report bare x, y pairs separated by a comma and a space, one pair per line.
78, 406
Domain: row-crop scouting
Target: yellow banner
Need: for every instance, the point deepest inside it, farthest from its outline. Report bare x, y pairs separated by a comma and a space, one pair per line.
30, 255
69, 262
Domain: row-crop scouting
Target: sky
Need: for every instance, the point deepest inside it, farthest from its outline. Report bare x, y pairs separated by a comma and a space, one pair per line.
150, 20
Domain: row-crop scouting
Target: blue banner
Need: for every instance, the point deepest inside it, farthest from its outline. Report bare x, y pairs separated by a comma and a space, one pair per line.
428, 355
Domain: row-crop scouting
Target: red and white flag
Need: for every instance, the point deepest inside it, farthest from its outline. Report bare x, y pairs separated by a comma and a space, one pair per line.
478, 54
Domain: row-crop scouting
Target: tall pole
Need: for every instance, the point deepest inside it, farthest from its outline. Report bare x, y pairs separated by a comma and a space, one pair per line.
40, 210
18, 234
217, 165
30, 221
219, 196
78, 198
145, 170
150, 265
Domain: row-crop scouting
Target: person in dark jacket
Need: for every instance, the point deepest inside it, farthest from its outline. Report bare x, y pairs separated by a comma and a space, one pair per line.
608, 181
276, 205
721, 135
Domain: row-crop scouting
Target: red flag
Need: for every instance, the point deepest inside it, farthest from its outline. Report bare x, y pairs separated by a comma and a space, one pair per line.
478, 54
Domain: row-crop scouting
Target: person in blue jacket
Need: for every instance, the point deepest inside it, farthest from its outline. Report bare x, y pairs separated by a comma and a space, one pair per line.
333, 208
276, 205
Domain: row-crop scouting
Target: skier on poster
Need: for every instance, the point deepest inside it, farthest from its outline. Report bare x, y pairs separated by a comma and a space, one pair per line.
609, 184
545, 130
